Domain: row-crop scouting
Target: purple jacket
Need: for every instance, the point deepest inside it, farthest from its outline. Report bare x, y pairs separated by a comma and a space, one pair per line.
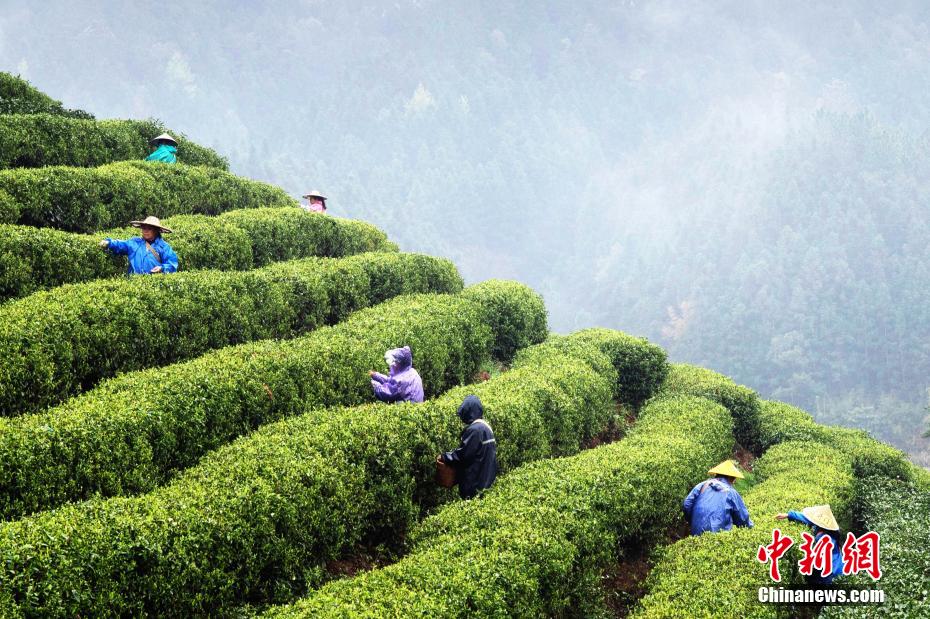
403, 384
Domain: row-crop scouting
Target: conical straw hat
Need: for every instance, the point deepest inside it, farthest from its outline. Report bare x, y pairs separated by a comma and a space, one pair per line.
153, 221
726, 468
822, 516
164, 137
314, 194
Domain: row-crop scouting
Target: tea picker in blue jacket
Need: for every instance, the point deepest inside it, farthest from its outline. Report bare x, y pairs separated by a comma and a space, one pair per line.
475, 459
166, 149
715, 505
148, 253
823, 523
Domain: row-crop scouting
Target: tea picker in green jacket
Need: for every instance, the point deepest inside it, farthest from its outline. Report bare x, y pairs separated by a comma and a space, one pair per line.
166, 149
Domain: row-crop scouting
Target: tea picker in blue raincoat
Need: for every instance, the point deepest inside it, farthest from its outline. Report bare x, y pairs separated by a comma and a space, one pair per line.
823, 523
475, 459
166, 149
148, 253
715, 505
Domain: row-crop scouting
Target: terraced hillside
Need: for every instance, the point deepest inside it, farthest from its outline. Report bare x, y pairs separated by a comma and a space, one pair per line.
205, 443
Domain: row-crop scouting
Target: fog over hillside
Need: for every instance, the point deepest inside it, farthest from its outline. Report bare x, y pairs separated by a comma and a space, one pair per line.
745, 183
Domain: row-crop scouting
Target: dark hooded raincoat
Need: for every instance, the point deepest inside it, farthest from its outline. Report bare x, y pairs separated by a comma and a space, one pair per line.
475, 460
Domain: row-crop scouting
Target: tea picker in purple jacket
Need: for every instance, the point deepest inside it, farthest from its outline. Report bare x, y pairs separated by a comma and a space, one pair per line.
403, 383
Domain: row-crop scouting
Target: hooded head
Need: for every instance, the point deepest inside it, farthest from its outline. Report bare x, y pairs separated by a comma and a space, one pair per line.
471, 409
399, 359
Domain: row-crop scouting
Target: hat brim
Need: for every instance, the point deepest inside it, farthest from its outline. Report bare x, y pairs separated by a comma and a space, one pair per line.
164, 137
139, 224
821, 520
313, 195
727, 469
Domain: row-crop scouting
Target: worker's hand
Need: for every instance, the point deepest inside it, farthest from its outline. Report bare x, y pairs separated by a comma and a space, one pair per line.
371, 373
156, 270
781, 516
439, 459
104, 243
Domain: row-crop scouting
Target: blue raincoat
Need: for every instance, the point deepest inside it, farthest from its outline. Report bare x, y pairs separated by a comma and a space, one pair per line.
817, 577
715, 505
475, 459
403, 384
166, 153
141, 260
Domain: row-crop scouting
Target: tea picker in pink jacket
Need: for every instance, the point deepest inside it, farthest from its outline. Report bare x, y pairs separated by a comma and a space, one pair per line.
317, 202
403, 383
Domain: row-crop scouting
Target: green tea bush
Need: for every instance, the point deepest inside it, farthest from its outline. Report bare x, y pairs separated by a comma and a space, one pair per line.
37, 140
92, 199
642, 367
536, 543
742, 402
921, 477
869, 456
718, 574
132, 432
779, 422
556, 346
58, 343
9, 209
501, 302
900, 513
258, 519
283, 234
17, 96
36, 259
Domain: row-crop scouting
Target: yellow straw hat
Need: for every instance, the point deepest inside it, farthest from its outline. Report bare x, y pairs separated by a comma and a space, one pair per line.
726, 468
822, 516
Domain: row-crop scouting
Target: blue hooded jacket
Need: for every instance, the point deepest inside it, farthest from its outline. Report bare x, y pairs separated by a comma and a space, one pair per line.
837, 570
141, 260
166, 153
715, 505
403, 384
475, 460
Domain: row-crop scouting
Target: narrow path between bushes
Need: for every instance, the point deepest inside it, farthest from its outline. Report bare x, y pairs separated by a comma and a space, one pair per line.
623, 583
367, 558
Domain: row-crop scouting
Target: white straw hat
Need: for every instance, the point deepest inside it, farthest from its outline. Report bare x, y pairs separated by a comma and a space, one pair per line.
151, 220
315, 194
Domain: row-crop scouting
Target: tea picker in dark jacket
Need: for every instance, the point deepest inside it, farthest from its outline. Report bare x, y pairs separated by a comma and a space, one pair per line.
475, 460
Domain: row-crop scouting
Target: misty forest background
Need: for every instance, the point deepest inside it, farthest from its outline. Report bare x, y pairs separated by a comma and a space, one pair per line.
745, 183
